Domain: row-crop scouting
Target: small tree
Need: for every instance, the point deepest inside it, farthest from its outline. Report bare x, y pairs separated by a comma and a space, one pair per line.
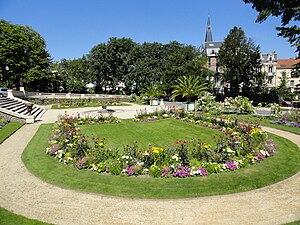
282, 90
153, 91
188, 87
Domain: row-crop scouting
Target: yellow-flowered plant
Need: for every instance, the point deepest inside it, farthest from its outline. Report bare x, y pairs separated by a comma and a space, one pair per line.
157, 150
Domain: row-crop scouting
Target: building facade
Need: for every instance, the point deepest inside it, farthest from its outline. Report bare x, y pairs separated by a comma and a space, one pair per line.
211, 48
284, 71
274, 69
269, 66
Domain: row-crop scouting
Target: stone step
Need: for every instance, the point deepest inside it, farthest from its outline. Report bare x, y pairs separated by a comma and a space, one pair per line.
19, 107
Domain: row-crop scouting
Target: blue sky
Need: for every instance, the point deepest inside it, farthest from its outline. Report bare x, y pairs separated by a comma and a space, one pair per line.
72, 27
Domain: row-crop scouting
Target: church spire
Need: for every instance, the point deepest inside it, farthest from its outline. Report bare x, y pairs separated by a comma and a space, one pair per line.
208, 36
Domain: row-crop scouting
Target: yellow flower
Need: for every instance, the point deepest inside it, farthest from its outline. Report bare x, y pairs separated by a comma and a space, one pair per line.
206, 145
156, 150
254, 130
101, 144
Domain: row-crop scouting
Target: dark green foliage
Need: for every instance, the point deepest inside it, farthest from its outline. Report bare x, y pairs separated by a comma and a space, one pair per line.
123, 66
74, 75
24, 52
289, 11
240, 62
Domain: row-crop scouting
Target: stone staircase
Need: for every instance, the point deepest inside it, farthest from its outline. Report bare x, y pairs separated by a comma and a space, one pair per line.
16, 109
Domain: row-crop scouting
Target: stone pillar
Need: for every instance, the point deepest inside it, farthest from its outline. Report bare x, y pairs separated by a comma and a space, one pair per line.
161, 102
10, 93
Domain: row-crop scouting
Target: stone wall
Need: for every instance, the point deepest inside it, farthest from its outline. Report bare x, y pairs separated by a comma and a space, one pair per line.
12, 118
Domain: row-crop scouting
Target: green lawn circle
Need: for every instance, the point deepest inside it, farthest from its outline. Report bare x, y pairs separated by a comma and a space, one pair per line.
285, 163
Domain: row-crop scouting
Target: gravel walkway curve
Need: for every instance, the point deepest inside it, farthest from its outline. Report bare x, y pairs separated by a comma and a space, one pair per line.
25, 194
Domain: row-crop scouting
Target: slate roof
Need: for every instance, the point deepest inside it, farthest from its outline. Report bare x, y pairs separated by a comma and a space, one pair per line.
208, 35
216, 44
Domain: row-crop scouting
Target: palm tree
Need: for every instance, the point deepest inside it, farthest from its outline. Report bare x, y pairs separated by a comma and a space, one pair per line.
152, 91
188, 87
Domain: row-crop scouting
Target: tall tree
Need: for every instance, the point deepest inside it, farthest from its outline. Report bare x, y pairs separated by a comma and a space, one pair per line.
183, 60
23, 51
288, 10
147, 66
111, 63
74, 74
240, 62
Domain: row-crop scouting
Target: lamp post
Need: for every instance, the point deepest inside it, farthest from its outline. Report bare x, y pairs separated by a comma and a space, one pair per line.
7, 77
9, 88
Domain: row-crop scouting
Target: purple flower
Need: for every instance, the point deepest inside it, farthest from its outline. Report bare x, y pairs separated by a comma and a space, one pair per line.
54, 149
129, 170
181, 172
231, 165
203, 171
81, 163
165, 172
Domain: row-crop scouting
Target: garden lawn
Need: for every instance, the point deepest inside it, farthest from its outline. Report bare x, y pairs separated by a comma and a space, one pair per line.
9, 129
160, 133
282, 165
9, 218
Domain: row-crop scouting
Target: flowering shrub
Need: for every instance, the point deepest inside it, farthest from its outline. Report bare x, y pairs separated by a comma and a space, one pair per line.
275, 109
238, 145
238, 104
144, 116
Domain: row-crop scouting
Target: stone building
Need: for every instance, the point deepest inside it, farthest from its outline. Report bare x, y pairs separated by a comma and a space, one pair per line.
269, 66
211, 48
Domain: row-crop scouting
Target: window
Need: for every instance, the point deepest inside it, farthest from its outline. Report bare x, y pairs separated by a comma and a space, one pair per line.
292, 83
270, 81
270, 69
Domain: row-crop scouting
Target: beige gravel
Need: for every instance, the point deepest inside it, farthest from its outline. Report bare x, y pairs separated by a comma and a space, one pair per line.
24, 194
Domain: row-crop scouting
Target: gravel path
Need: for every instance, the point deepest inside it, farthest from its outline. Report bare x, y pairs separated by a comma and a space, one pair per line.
27, 195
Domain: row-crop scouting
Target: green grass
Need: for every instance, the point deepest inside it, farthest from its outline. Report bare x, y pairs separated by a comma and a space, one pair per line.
284, 164
9, 129
294, 223
9, 218
161, 133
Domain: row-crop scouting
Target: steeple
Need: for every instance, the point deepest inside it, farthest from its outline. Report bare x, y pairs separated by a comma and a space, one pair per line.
208, 36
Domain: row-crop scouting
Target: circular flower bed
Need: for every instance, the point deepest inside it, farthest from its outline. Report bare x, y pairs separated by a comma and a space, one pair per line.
237, 145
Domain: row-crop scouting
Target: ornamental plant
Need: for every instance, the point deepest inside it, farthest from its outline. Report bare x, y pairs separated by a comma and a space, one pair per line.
238, 145
239, 104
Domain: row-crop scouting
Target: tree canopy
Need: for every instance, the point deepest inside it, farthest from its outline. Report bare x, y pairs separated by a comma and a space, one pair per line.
123, 66
240, 62
24, 59
288, 10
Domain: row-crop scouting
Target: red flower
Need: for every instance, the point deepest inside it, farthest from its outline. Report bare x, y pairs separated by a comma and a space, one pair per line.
184, 142
177, 142
226, 133
96, 139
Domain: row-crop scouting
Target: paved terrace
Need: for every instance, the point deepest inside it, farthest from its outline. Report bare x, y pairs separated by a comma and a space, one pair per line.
25, 194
